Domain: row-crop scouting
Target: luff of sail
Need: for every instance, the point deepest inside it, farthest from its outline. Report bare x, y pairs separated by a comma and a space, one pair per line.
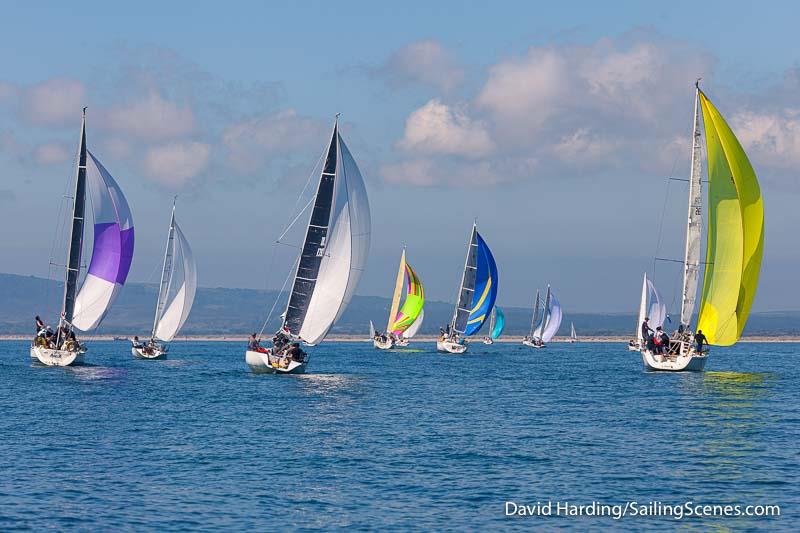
691, 264
172, 320
415, 300
335, 247
75, 251
112, 252
735, 233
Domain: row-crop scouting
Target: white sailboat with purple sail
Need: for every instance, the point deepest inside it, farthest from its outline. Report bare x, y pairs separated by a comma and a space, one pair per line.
178, 285
331, 260
112, 253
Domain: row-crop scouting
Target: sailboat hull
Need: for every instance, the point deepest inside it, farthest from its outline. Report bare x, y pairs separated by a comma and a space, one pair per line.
487, 340
50, 357
388, 345
690, 361
139, 353
402, 342
266, 363
531, 344
448, 346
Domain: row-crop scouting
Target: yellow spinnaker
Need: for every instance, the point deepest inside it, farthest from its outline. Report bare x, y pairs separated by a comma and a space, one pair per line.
735, 233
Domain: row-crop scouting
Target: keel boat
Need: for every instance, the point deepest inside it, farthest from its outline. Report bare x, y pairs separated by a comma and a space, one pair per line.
402, 320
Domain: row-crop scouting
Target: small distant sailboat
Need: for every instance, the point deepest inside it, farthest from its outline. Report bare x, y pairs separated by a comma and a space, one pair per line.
551, 321
169, 319
329, 266
734, 249
497, 323
112, 253
402, 320
573, 337
476, 296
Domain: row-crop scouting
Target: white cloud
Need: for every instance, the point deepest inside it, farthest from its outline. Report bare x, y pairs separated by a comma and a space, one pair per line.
770, 138
150, 118
54, 102
251, 142
51, 153
424, 62
436, 128
175, 164
8, 92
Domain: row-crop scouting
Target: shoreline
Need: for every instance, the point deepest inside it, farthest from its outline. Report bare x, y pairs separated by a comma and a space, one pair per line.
422, 338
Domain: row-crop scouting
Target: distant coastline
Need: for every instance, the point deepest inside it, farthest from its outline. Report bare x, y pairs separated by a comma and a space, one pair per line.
422, 338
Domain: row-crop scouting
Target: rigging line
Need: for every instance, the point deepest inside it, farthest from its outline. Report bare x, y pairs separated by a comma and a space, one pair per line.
660, 229
275, 301
296, 218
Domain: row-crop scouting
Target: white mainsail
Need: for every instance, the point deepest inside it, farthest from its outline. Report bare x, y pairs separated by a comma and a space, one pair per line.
335, 247
642, 311
169, 323
691, 272
572, 334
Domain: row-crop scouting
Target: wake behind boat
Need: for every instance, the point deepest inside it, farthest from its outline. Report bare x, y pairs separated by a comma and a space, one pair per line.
179, 269
329, 266
112, 253
403, 323
735, 245
476, 296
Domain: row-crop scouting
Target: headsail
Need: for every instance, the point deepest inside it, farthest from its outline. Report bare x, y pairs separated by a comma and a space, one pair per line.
335, 247
170, 323
415, 300
499, 322
553, 320
735, 233
658, 309
642, 311
112, 252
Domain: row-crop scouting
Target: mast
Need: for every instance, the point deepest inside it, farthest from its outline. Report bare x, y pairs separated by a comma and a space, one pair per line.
691, 272
462, 289
166, 271
398, 287
535, 313
73, 267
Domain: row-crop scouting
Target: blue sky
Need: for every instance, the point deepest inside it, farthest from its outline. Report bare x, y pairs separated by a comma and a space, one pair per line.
554, 124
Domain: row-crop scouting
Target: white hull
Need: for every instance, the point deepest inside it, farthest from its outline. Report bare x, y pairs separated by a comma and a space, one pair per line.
487, 340
531, 344
266, 363
50, 357
633, 347
388, 345
402, 342
448, 346
687, 361
139, 353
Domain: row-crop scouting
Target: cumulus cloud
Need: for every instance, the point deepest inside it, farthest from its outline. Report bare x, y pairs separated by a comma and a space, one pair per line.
150, 118
175, 164
54, 102
8, 92
770, 138
51, 153
251, 142
436, 128
422, 62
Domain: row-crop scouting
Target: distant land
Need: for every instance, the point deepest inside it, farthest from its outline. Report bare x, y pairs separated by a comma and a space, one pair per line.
220, 311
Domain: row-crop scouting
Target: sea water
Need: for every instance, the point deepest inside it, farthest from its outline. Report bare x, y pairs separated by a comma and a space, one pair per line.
398, 440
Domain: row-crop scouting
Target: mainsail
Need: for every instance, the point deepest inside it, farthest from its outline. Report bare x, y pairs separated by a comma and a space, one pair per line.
691, 270
412, 307
112, 251
478, 289
75, 251
735, 233
335, 247
168, 323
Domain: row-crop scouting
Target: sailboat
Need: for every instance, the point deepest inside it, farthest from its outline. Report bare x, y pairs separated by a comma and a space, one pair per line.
573, 337
540, 335
476, 296
112, 253
169, 319
651, 308
401, 320
497, 322
332, 257
734, 247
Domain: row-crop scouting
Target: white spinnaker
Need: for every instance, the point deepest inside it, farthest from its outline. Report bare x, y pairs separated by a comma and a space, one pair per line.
642, 311
111, 212
346, 251
658, 310
553, 321
178, 310
371, 330
414, 327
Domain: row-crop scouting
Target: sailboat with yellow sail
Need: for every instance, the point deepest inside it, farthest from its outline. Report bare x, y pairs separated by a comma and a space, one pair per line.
734, 247
403, 322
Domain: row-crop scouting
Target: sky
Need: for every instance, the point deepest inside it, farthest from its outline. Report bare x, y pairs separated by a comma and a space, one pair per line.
555, 125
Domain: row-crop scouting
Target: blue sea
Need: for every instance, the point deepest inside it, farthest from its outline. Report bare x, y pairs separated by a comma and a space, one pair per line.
396, 441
